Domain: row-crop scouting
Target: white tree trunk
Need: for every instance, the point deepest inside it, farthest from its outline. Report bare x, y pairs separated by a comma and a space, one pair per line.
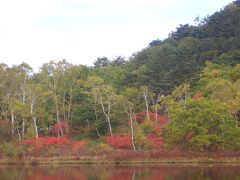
58, 121
19, 136
107, 114
131, 115
98, 132
12, 120
132, 131
57, 114
23, 128
35, 127
145, 93
34, 118
110, 126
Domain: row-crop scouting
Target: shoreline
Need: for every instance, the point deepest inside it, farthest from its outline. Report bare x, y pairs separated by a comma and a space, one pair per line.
92, 161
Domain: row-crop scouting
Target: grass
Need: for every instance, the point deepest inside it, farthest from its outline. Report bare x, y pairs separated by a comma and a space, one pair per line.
72, 160
127, 157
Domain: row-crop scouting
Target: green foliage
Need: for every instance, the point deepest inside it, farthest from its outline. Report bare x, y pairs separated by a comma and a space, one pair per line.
104, 147
97, 100
179, 58
5, 131
30, 132
201, 124
101, 61
221, 82
10, 149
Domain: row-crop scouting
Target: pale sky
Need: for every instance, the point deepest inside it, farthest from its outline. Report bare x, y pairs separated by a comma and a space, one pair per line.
37, 31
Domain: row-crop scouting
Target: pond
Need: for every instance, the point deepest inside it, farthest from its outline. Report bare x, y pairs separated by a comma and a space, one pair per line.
120, 172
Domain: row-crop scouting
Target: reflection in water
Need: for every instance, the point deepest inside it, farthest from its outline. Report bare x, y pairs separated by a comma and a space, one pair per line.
134, 172
134, 175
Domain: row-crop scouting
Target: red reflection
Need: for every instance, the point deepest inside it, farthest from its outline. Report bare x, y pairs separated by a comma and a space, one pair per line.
119, 172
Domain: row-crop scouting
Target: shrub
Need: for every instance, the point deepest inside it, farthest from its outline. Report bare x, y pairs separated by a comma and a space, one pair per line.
78, 145
104, 146
56, 128
119, 141
45, 142
5, 130
154, 140
10, 149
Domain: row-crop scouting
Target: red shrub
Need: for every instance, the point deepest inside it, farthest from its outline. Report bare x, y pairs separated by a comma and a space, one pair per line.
198, 95
56, 128
141, 117
157, 128
162, 119
45, 141
119, 141
151, 129
188, 136
31, 142
54, 140
154, 139
77, 145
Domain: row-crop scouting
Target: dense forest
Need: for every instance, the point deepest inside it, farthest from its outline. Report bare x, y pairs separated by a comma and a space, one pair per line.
181, 92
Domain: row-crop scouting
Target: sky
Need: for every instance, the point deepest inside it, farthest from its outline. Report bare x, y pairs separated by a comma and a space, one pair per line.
37, 31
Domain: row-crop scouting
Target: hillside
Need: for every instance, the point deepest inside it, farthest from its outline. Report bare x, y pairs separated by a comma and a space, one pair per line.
165, 64
179, 94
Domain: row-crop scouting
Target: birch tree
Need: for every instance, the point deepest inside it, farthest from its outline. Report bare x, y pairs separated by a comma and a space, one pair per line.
105, 97
51, 74
131, 97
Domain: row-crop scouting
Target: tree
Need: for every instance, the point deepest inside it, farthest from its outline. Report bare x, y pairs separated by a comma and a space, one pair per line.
119, 60
130, 101
155, 43
37, 95
51, 73
221, 82
101, 61
204, 124
147, 94
105, 97
14, 96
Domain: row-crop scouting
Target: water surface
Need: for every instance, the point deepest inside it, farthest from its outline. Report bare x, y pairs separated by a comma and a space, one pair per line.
119, 172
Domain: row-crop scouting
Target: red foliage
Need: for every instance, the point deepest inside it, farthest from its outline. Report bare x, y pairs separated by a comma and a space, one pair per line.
119, 141
77, 145
198, 95
141, 116
157, 128
54, 140
45, 141
188, 136
56, 128
31, 142
154, 139
162, 119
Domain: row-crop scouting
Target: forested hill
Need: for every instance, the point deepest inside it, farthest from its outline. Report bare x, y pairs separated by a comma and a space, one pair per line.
184, 91
165, 64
